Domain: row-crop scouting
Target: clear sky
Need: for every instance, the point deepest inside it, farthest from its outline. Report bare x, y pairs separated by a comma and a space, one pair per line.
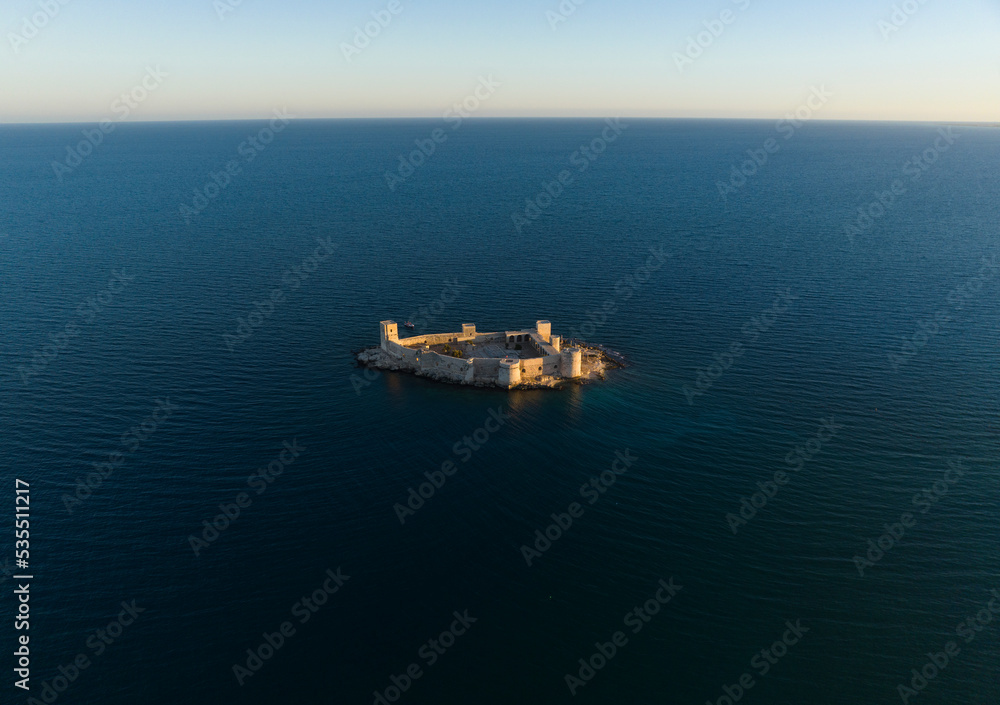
244, 58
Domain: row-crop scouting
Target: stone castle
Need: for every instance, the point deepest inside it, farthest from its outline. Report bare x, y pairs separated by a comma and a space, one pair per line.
505, 359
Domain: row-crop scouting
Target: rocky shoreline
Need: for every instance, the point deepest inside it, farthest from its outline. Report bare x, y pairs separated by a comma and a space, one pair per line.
598, 360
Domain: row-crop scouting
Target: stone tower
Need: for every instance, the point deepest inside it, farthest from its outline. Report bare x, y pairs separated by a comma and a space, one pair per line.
390, 333
510, 372
571, 363
544, 329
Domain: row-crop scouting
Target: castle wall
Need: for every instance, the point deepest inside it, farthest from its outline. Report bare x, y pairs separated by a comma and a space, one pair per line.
456, 368
490, 338
440, 338
432, 339
550, 366
550, 363
486, 368
397, 350
531, 368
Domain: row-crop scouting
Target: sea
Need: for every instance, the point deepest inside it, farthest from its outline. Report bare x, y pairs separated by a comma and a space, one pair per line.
790, 495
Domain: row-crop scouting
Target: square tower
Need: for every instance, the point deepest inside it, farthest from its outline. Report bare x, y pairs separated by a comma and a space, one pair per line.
544, 330
468, 330
389, 333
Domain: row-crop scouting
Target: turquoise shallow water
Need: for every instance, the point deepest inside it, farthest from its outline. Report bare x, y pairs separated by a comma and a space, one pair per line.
817, 318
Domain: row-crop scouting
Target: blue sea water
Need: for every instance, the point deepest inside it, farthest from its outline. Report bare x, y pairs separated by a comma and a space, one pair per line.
889, 335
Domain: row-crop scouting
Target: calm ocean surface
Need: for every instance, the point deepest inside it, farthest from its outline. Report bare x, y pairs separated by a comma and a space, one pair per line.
891, 338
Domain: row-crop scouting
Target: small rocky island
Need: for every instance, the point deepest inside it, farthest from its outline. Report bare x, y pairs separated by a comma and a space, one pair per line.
510, 359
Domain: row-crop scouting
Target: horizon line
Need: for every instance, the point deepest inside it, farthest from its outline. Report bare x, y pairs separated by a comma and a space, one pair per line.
968, 123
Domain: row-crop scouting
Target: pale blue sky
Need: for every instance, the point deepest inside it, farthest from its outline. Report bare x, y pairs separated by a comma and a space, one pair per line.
610, 57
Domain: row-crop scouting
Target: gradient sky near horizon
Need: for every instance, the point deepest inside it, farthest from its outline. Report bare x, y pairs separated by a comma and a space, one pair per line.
607, 58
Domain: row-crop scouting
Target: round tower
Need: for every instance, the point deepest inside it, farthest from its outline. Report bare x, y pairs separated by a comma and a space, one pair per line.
571, 363
510, 372
557, 343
